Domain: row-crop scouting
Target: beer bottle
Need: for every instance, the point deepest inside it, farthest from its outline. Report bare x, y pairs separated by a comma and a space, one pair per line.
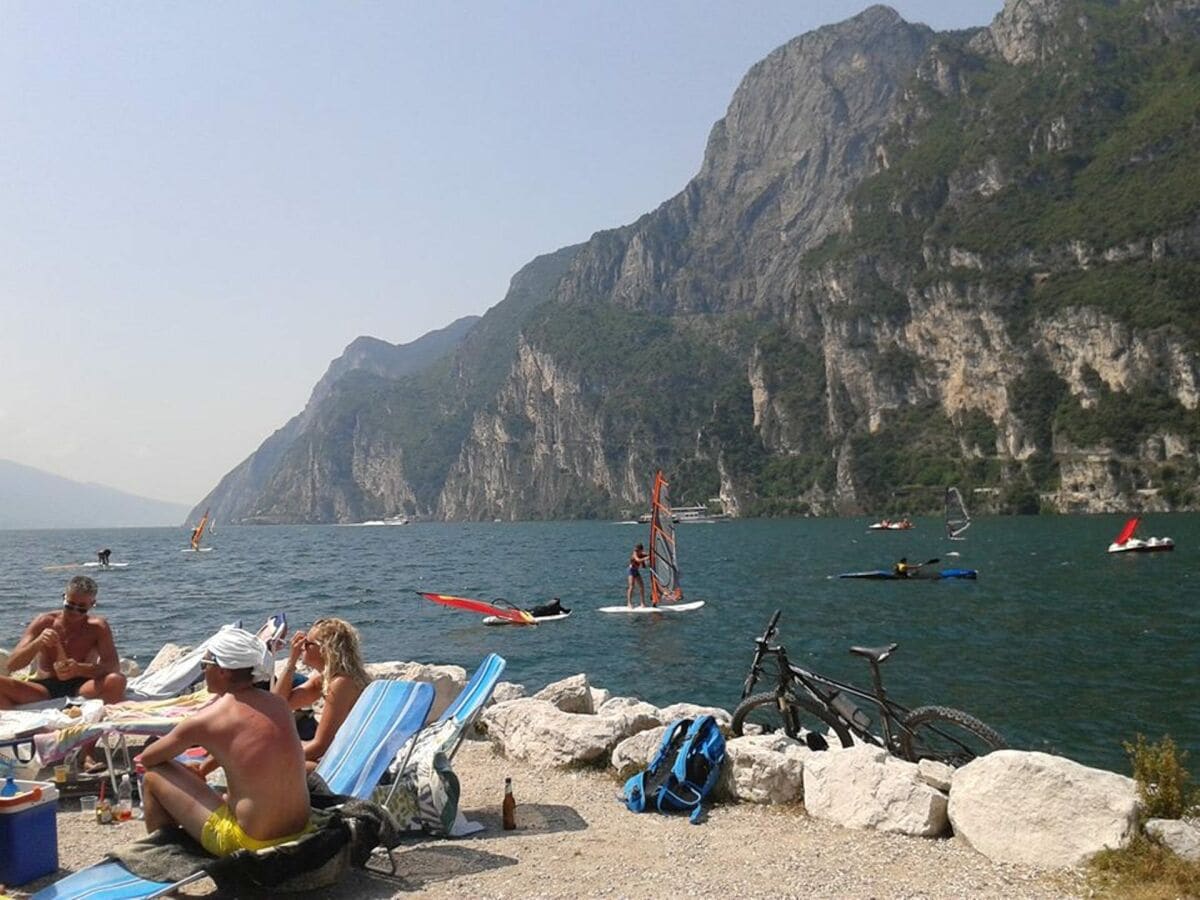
509, 809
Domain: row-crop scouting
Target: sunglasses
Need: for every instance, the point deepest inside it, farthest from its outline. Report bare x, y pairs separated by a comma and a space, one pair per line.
309, 643
75, 607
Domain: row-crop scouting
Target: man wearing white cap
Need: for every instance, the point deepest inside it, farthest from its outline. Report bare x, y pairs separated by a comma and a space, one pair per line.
249, 732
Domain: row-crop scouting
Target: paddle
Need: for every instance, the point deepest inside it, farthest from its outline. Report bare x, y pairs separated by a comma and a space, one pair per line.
928, 562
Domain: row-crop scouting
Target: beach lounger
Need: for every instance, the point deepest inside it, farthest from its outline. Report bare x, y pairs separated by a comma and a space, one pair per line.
183, 674
386, 715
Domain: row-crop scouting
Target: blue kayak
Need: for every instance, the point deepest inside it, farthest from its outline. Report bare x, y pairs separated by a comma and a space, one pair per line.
889, 575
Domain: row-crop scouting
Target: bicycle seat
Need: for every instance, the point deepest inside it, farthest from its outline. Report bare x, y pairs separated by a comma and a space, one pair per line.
875, 654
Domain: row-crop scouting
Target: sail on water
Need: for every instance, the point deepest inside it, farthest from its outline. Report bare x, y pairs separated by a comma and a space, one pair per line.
198, 531
957, 518
664, 568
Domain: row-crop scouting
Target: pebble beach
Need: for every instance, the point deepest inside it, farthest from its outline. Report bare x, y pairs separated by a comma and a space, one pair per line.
573, 839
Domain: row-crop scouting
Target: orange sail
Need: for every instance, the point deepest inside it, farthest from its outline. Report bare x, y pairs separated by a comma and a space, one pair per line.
198, 531
480, 606
664, 570
1128, 530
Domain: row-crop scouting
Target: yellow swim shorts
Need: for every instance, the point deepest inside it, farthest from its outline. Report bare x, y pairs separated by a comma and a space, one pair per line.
223, 835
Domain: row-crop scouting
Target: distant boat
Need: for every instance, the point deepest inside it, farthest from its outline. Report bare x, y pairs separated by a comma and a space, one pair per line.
1126, 543
902, 524
390, 520
958, 519
693, 514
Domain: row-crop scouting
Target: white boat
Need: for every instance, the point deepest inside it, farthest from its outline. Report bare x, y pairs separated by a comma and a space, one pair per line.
1126, 542
888, 525
390, 520
692, 514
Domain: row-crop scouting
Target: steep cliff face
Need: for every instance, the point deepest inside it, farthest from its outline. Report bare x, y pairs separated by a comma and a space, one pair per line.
907, 260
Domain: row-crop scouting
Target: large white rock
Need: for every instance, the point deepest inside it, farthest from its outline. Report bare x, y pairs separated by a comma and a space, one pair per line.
763, 768
539, 732
599, 696
507, 690
936, 774
166, 656
637, 714
1180, 838
691, 711
447, 681
1032, 808
573, 695
866, 787
634, 753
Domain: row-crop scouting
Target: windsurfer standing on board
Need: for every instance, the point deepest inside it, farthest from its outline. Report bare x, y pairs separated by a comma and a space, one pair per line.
637, 559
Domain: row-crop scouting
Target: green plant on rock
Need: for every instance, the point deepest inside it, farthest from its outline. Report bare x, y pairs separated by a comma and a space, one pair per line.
1162, 780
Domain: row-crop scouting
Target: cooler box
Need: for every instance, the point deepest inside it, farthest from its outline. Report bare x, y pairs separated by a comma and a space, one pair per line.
28, 832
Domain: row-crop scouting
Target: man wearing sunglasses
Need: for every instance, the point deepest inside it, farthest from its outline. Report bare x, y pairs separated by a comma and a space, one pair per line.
250, 733
74, 651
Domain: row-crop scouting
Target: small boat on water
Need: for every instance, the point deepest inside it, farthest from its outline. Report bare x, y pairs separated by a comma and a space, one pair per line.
901, 524
890, 575
1126, 542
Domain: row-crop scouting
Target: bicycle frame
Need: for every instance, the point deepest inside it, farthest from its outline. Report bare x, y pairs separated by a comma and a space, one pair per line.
825, 691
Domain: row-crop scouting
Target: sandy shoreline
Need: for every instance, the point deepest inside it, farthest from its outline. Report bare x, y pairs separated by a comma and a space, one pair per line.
575, 840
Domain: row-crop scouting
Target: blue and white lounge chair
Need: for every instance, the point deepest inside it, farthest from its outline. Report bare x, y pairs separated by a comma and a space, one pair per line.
474, 697
385, 717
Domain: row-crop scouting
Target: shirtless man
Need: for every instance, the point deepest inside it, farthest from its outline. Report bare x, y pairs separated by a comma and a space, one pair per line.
250, 733
75, 654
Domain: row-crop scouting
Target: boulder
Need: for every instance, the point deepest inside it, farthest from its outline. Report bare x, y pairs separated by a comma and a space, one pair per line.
638, 715
763, 768
692, 711
507, 690
1035, 809
634, 753
866, 787
572, 695
936, 774
447, 681
539, 732
167, 655
1181, 838
599, 696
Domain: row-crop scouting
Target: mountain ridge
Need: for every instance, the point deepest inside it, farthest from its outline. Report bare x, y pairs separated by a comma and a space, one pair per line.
908, 259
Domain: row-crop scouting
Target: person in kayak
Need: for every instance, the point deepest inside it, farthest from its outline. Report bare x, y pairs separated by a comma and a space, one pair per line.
902, 569
637, 559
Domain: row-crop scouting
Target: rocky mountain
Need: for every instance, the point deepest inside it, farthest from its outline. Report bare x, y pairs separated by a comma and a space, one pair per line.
31, 498
908, 259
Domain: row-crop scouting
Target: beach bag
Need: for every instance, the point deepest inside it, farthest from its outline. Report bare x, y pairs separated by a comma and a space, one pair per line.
424, 792
683, 772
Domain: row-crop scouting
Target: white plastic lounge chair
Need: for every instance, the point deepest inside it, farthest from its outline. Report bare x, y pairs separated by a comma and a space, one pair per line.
181, 675
386, 715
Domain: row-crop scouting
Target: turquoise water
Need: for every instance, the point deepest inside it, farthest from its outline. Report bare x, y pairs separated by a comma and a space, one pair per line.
1058, 645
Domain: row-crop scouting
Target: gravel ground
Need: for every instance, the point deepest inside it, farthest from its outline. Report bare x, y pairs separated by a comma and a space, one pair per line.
574, 839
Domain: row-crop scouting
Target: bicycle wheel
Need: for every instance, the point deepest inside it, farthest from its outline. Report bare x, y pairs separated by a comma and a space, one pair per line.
947, 735
805, 720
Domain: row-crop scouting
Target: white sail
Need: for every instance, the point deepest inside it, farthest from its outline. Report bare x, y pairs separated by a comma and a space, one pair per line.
957, 518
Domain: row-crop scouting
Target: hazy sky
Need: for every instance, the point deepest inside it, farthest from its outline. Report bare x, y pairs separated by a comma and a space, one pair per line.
203, 203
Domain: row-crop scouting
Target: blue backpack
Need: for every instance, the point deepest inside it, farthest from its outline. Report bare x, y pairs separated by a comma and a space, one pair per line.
684, 770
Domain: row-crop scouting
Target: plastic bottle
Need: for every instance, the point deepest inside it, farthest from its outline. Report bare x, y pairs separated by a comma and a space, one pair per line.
509, 809
124, 809
10, 787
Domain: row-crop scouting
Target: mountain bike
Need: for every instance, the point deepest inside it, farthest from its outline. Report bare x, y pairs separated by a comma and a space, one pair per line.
809, 707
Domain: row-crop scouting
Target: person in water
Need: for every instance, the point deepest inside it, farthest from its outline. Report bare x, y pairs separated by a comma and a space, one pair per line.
637, 559
103, 556
332, 649
902, 569
250, 733
74, 651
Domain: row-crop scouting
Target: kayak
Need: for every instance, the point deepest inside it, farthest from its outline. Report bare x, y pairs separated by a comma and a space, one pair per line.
889, 575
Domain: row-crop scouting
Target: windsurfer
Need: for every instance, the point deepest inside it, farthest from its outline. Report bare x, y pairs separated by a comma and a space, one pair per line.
103, 555
637, 559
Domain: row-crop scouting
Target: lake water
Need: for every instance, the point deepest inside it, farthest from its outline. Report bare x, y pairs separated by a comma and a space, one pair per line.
1058, 645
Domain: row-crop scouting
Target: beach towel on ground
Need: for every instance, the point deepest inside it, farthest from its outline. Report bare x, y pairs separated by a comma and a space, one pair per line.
424, 791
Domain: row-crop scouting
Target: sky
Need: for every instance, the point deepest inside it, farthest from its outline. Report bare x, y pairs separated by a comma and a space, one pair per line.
202, 204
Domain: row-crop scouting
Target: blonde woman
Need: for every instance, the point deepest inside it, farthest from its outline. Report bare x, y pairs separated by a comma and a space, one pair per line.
332, 650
